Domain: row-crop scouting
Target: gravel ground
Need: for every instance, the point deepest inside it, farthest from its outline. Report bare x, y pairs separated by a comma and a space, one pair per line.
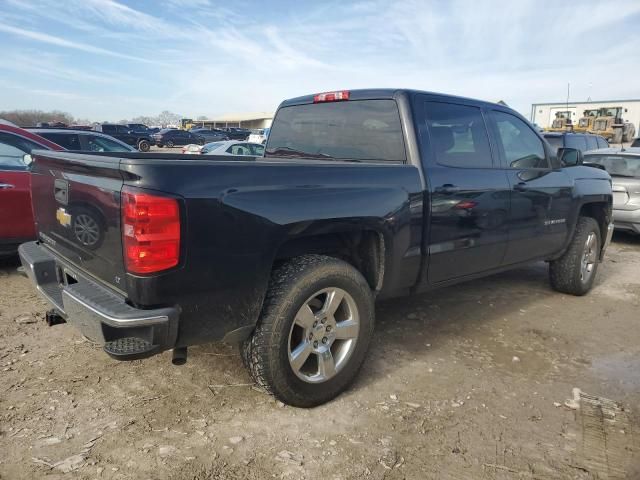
476, 381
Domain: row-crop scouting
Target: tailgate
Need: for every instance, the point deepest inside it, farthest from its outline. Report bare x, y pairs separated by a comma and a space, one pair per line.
76, 204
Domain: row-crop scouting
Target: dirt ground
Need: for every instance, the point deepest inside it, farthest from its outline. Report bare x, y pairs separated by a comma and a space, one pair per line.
470, 382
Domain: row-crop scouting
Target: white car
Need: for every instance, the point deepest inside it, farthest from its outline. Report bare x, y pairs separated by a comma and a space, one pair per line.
233, 147
259, 136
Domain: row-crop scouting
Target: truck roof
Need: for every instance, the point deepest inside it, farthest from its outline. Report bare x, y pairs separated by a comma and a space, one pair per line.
386, 93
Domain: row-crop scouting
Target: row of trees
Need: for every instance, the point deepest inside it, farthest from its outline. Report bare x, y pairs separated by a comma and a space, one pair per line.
30, 118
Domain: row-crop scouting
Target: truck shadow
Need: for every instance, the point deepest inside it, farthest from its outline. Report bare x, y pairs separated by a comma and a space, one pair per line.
464, 320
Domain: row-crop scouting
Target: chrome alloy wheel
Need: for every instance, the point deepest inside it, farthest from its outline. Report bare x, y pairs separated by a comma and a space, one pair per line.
86, 229
589, 257
323, 335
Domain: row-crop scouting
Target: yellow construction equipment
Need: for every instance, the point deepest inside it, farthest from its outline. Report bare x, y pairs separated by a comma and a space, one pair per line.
585, 124
562, 123
610, 124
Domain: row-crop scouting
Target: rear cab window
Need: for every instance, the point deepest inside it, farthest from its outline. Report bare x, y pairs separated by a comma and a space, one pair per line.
364, 130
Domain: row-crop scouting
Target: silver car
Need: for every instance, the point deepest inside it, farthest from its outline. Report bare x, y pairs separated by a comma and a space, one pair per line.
624, 167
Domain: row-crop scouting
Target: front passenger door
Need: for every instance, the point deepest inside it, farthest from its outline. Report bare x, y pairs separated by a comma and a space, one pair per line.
541, 196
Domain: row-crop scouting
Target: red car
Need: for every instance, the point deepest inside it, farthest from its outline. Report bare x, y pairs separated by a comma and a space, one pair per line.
16, 216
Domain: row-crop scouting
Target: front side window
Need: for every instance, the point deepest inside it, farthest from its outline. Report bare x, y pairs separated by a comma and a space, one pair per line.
101, 144
239, 149
351, 130
458, 135
519, 144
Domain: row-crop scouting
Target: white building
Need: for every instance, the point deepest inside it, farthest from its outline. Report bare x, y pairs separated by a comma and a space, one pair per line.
543, 114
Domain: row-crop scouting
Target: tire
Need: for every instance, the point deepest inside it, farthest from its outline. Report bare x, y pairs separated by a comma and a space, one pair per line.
570, 273
144, 146
169, 144
295, 289
617, 136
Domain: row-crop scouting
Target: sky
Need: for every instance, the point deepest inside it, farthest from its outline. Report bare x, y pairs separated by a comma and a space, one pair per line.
117, 59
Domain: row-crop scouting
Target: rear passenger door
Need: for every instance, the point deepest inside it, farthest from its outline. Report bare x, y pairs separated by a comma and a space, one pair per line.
541, 196
468, 191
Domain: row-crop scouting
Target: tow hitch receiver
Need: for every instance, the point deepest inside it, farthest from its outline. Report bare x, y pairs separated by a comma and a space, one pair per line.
52, 318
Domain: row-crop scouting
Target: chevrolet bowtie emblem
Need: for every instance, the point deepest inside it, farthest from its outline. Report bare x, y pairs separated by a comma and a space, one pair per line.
63, 217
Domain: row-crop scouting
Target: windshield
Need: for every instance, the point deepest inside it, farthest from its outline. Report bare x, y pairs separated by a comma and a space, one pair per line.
617, 165
351, 130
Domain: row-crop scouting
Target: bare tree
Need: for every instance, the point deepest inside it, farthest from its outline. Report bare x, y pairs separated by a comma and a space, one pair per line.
30, 118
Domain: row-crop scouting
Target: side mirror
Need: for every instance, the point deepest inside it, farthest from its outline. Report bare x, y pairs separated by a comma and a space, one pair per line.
27, 159
570, 157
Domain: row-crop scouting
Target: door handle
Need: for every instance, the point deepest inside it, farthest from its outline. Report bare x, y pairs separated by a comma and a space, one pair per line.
520, 187
448, 188
6, 186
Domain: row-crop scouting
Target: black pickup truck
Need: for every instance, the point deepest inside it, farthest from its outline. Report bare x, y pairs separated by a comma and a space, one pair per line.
360, 195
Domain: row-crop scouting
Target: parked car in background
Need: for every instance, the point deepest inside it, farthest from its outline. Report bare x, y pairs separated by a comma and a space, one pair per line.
172, 137
211, 135
140, 140
233, 147
259, 135
579, 141
236, 133
636, 142
16, 215
624, 167
83, 140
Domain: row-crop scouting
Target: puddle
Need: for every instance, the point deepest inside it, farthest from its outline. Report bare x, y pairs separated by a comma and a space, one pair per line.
621, 368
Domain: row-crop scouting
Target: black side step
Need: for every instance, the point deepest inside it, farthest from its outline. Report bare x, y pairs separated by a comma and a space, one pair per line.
130, 348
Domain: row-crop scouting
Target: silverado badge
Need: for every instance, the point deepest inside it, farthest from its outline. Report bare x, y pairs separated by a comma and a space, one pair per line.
63, 217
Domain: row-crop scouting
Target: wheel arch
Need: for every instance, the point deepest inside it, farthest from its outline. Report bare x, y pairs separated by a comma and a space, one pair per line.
363, 248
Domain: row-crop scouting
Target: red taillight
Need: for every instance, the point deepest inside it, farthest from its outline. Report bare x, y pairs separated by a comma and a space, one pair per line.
150, 232
331, 96
466, 205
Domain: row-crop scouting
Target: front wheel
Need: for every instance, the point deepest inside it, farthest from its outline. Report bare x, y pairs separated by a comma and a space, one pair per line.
144, 146
169, 144
575, 271
314, 331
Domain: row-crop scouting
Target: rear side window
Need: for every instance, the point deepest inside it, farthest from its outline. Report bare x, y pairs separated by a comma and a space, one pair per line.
521, 147
602, 143
70, 141
353, 130
458, 135
592, 143
108, 129
576, 141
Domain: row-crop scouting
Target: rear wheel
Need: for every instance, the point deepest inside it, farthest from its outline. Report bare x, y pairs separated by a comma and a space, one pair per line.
617, 135
575, 271
314, 331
